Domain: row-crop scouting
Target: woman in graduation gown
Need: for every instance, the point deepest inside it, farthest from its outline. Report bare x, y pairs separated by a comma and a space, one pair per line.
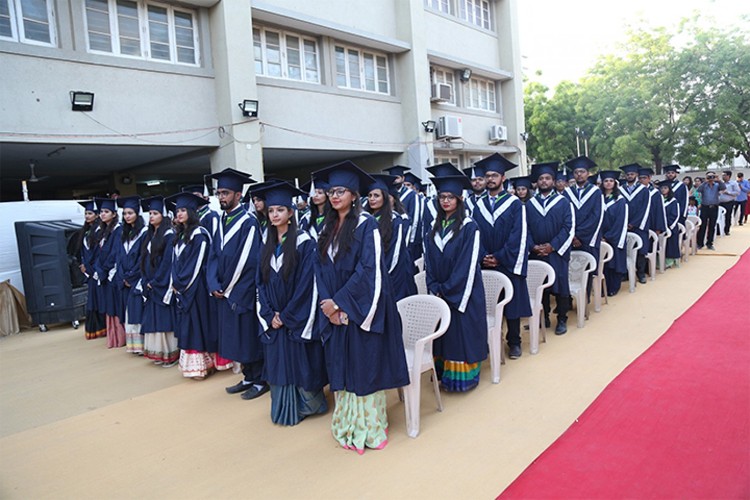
452, 263
287, 305
106, 269
159, 342
672, 212
129, 272
614, 230
313, 220
95, 326
358, 320
394, 234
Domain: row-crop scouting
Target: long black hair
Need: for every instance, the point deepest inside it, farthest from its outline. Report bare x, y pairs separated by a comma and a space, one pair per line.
288, 248
129, 232
89, 233
184, 232
441, 216
315, 213
108, 227
155, 236
342, 236
385, 224
398, 207
615, 191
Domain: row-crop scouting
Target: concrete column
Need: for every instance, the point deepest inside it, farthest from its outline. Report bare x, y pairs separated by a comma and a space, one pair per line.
232, 50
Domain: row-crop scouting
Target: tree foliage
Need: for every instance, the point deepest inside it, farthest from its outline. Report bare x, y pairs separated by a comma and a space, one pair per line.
668, 95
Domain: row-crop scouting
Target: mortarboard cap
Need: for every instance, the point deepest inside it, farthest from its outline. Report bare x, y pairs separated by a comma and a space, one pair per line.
185, 199
495, 163
454, 184
444, 170
631, 167
279, 193
473, 172
89, 206
398, 170
132, 202
549, 167
258, 190
106, 204
671, 168
581, 162
521, 182
154, 203
609, 174
231, 179
197, 188
412, 179
645, 172
345, 174
664, 183
385, 183
562, 175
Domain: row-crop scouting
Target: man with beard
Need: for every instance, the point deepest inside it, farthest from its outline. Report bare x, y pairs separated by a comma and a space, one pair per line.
412, 206
478, 187
638, 199
231, 271
680, 190
588, 204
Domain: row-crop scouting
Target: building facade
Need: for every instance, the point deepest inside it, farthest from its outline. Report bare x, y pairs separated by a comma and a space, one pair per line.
411, 82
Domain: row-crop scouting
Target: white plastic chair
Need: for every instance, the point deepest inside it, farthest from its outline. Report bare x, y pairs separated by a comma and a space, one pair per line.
634, 244
661, 250
685, 238
599, 285
423, 319
651, 256
495, 283
539, 276
421, 281
581, 265
720, 220
683, 242
694, 236
419, 263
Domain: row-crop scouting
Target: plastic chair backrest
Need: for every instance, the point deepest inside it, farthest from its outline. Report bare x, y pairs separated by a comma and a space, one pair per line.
581, 264
634, 244
421, 281
538, 274
422, 316
494, 283
694, 219
419, 263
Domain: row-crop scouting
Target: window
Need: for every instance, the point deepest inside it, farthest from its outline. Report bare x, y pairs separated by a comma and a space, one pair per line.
476, 12
27, 21
140, 29
361, 70
447, 77
455, 160
282, 54
481, 94
443, 6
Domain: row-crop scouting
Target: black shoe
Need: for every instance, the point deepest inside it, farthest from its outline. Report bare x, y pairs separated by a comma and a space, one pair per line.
514, 351
562, 327
547, 322
254, 392
710, 247
700, 247
241, 387
642, 280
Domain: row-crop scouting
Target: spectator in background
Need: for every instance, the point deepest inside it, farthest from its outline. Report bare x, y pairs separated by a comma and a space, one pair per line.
114, 194
692, 206
727, 197
709, 207
741, 200
695, 193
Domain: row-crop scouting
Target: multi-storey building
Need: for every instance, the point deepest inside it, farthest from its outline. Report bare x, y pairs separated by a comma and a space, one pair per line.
382, 82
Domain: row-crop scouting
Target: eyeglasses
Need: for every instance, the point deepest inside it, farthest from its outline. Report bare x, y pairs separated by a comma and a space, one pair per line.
337, 193
223, 193
491, 175
446, 197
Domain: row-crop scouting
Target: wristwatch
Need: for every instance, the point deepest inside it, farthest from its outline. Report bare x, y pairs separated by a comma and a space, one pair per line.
335, 306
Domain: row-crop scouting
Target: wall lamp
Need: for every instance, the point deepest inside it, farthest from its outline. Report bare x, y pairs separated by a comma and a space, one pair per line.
429, 125
524, 136
81, 101
249, 108
465, 74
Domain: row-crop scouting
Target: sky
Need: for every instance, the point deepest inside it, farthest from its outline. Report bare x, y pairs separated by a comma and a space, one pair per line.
563, 38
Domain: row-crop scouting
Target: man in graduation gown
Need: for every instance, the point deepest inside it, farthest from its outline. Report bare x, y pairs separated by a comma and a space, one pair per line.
501, 218
414, 183
680, 190
231, 274
551, 222
412, 207
478, 188
588, 205
638, 199
209, 218
657, 217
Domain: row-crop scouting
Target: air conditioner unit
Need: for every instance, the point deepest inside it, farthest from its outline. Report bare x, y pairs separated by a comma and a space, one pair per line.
441, 92
498, 133
449, 127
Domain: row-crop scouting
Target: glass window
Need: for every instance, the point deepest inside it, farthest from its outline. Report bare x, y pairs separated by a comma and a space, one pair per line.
360, 70
285, 55
482, 94
476, 12
7, 23
439, 5
446, 77
27, 21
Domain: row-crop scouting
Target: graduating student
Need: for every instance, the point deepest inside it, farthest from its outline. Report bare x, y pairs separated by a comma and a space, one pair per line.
105, 268
452, 263
95, 326
614, 230
672, 213
657, 217
157, 324
208, 218
312, 222
501, 218
522, 188
562, 179
129, 272
394, 231
411, 204
231, 274
192, 327
638, 198
478, 188
588, 204
414, 183
680, 189
287, 305
551, 221
358, 320
431, 206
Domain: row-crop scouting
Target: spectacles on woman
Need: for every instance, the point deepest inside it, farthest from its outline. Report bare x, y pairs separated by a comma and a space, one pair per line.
446, 197
337, 193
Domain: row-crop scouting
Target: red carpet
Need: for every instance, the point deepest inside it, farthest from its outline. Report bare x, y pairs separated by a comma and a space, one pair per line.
673, 424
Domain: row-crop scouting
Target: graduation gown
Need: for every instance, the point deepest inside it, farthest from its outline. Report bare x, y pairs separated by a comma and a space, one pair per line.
398, 260
615, 231
471, 199
192, 325
232, 266
209, 220
293, 353
552, 220
588, 204
504, 235
88, 256
105, 268
682, 195
129, 269
367, 355
672, 212
158, 313
453, 271
413, 208
638, 199
657, 219
313, 227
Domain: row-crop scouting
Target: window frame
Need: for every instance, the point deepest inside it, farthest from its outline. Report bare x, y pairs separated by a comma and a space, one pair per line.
18, 30
444, 159
362, 76
434, 71
491, 87
467, 10
440, 5
284, 54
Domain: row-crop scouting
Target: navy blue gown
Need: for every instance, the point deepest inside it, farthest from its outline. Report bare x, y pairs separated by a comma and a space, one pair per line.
106, 269
672, 213
638, 199
398, 260
588, 204
95, 326
158, 313
615, 232
552, 220
188, 276
129, 269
